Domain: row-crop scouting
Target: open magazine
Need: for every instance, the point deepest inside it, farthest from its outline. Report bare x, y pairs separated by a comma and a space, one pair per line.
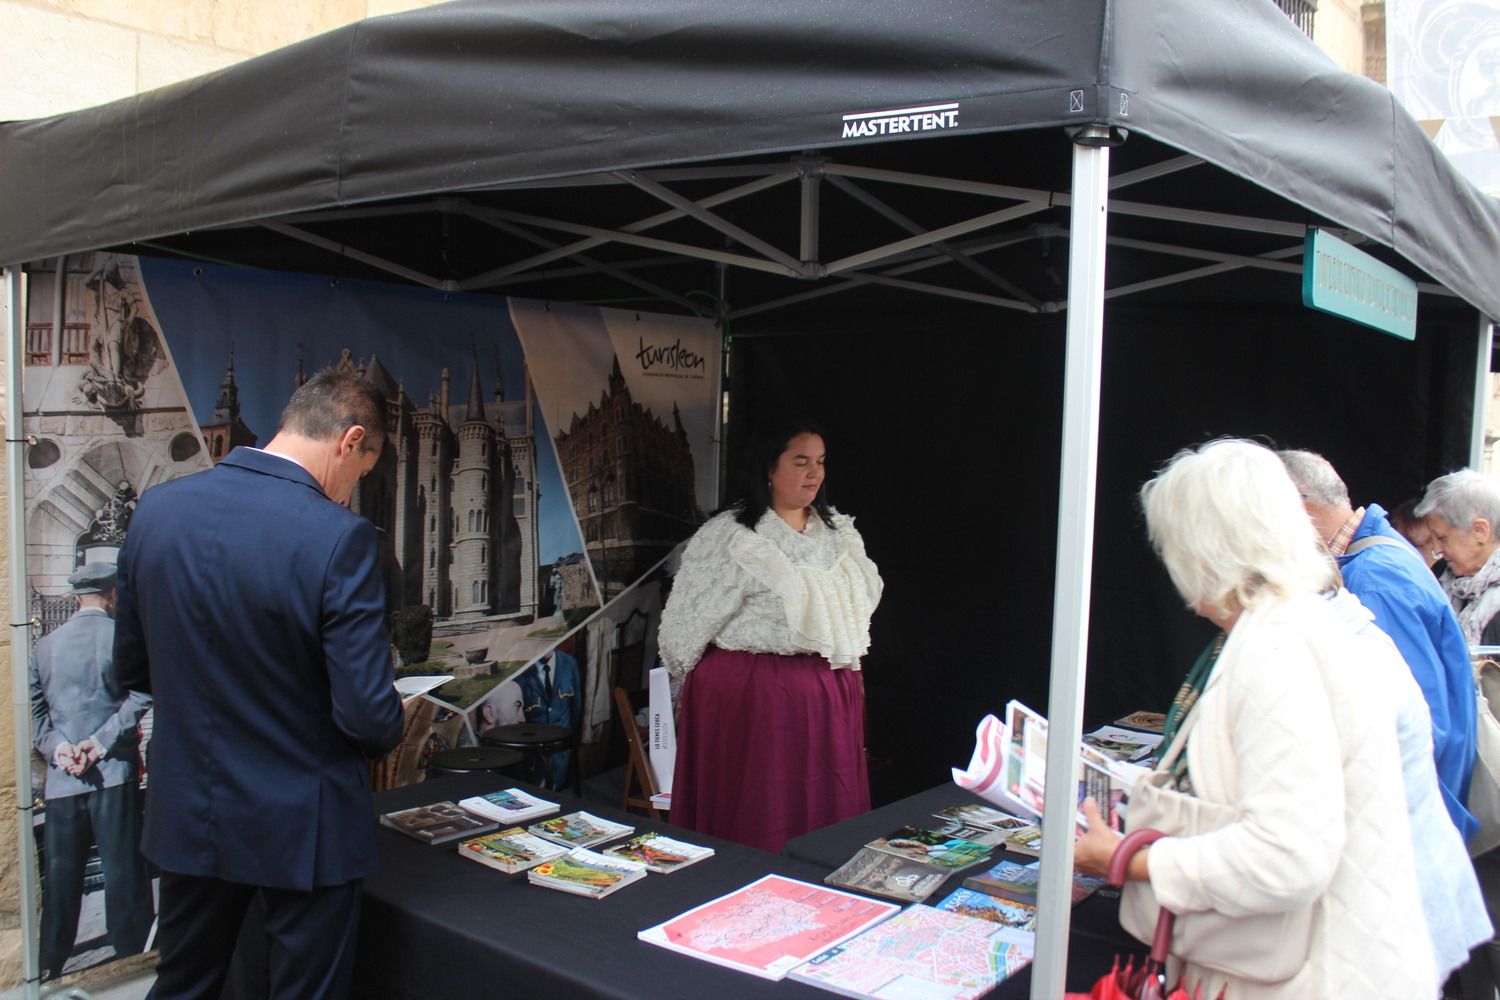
1009, 768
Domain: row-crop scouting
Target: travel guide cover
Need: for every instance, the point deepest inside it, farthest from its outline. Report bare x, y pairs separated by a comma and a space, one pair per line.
769, 927
580, 829
512, 850
658, 853
586, 873
1123, 744
1019, 882
510, 805
995, 909
931, 846
921, 952
889, 876
438, 823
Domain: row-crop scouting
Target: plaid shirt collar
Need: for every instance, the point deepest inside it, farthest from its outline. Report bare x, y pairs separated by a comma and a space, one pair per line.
1339, 543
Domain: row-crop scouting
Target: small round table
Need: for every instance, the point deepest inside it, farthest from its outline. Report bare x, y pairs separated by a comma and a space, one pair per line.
467, 760
535, 739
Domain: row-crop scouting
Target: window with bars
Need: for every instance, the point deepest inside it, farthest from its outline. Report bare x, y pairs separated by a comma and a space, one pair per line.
1301, 12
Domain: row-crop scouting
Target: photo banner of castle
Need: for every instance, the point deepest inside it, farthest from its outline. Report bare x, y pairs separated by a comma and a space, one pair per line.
523, 477
632, 400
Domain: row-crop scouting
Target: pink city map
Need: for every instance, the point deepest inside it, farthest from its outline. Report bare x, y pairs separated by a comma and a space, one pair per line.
769, 926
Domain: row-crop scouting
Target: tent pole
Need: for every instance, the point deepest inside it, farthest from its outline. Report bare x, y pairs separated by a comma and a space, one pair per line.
1075, 545
1485, 343
20, 628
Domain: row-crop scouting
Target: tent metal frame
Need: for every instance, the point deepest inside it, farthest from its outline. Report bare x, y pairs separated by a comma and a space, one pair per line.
887, 264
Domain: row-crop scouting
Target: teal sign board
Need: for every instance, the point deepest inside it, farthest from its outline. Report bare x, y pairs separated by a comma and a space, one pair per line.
1343, 280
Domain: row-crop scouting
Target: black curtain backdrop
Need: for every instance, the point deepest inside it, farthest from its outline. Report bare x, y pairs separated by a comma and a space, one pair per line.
944, 437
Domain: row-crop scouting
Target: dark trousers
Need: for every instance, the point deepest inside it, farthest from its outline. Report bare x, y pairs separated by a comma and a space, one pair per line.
1481, 976
110, 818
309, 937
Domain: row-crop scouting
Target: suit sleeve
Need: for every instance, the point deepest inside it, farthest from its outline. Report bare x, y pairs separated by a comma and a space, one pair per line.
129, 667
44, 736
356, 649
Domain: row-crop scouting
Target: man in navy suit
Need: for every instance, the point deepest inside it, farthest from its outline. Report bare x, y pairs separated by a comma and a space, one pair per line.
251, 608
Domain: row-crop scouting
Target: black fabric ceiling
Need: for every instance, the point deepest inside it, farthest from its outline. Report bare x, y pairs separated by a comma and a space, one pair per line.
468, 98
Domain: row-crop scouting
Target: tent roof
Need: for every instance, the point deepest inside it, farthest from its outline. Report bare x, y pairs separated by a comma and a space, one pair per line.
478, 96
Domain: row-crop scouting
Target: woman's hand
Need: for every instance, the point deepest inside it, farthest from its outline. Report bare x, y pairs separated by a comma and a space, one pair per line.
1092, 851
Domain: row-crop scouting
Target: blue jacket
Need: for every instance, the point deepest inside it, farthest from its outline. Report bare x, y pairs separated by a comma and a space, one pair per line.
1411, 608
251, 608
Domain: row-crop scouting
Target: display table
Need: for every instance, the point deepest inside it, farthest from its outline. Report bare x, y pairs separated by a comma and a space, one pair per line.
1095, 936
435, 926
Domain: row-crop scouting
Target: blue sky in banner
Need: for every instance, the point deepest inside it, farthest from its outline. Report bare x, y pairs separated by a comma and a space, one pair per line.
273, 318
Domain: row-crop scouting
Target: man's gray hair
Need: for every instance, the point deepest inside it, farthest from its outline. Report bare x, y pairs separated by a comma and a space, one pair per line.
331, 402
1461, 498
1315, 477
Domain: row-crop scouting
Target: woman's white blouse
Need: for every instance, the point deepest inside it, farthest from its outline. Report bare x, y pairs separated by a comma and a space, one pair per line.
771, 590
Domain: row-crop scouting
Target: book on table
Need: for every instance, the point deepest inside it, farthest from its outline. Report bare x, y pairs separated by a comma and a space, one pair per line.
995, 909
437, 823
769, 927
1123, 744
580, 829
1009, 880
932, 846
1148, 722
586, 873
921, 952
509, 805
513, 850
889, 876
659, 853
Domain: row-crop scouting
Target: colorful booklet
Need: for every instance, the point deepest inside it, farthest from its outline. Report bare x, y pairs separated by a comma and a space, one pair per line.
1149, 722
512, 850
1009, 880
658, 853
586, 873
889, 876
438, 823
1024, 840
509, 806
931, 846
981, 815
1123, 744
996, 910
768, 927
580, 829
921, 952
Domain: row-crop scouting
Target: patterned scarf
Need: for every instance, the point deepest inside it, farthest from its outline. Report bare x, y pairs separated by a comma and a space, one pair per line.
1475, 599
1187, 697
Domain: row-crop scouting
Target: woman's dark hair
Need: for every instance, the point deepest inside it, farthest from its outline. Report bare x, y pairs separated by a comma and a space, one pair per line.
766, 446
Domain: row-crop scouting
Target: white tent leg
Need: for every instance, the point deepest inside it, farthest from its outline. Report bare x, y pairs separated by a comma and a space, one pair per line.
12, 309
1075, 546
1486, 341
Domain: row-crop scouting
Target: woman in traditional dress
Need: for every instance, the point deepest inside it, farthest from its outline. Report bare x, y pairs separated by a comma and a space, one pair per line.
768, 617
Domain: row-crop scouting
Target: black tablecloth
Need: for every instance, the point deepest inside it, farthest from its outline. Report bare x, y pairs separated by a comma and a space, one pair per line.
436, 926
1095, 936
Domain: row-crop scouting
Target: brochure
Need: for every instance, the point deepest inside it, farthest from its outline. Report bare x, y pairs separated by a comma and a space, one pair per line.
512, 850
932, 846
921, 952
580, 829
889, 876
769, 927
659, 853
586, 873
508, 806
437, 823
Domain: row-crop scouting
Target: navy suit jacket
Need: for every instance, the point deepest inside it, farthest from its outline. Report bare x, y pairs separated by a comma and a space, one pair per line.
251, 608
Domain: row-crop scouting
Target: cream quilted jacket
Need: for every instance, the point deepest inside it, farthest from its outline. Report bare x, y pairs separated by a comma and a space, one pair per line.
1304, 742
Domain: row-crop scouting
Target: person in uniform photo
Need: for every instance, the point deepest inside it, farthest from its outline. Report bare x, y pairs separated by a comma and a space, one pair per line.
90, 740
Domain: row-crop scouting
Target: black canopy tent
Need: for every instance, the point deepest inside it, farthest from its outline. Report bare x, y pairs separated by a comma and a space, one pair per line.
781, 166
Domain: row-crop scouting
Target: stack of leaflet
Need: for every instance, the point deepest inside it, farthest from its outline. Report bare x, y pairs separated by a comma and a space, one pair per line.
586, 873
580, 829
513, 850
658, 853
508, 807
437, 823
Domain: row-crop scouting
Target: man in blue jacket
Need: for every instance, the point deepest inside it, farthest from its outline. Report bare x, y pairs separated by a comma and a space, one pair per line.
1388, 576
251, 608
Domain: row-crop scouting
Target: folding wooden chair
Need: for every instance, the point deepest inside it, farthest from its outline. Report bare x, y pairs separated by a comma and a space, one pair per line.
640, 781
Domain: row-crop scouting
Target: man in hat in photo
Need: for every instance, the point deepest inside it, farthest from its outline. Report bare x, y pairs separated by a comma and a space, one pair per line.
90, 741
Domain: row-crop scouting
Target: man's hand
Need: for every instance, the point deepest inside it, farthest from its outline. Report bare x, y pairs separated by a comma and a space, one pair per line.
88, 751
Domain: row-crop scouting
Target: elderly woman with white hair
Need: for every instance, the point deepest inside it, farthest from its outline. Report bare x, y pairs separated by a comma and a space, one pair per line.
1283, 744
1462, 510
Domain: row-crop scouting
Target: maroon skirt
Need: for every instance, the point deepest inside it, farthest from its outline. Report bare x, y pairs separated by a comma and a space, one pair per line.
769, 747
